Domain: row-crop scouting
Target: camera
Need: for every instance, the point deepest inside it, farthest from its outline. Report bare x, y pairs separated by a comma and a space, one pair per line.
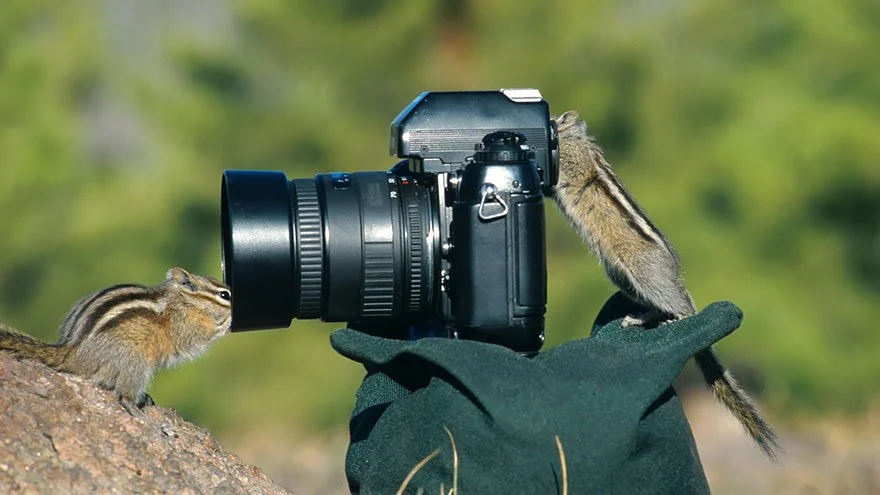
450, 241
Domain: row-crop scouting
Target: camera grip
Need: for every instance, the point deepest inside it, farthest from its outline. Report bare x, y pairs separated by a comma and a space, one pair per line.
499, 275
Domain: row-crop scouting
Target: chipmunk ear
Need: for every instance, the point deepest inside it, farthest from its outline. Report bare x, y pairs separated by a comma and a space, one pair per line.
571, 120
178, 275
567, 118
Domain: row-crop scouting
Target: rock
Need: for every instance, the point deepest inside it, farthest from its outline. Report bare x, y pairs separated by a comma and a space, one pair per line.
61, 434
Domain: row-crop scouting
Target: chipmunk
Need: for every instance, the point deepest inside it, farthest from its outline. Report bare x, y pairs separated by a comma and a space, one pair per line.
638, 259
120, 336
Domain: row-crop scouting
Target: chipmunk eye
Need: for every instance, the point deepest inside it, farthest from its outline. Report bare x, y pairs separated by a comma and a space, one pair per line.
224, 294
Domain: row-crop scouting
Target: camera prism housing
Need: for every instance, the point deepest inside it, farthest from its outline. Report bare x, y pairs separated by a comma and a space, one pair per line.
450, 241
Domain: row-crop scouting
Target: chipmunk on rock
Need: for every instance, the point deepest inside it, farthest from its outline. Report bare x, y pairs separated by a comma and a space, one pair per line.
120, 336
638, 259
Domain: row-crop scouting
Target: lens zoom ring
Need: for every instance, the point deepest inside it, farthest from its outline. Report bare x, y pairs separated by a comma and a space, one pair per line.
416, 238
378, 279
311, 252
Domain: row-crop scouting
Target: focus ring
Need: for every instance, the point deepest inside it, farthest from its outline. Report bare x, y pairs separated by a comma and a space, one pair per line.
378, 279
416, 237
311, 248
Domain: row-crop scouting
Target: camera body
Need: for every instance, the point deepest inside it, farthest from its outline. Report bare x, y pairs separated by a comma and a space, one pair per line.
450, 241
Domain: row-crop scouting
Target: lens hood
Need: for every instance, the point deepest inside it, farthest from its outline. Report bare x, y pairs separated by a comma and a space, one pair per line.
258, 243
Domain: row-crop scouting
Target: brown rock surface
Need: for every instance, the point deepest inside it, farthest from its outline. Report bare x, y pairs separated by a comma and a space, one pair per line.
60, 434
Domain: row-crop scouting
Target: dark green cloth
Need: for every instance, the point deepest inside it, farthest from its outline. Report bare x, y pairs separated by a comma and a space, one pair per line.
609, 398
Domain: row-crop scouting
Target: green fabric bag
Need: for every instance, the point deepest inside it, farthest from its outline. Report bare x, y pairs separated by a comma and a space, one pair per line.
608, 398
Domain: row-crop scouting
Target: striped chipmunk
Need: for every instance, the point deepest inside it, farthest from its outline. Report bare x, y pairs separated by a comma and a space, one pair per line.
120, 336
638, 259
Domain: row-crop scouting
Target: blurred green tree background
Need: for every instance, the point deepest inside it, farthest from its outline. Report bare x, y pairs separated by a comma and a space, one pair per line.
749, 131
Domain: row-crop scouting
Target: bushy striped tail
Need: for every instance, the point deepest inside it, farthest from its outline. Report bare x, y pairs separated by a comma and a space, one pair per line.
24, 346
735, 399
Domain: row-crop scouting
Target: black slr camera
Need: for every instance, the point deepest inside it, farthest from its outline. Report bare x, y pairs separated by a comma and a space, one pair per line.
449, 242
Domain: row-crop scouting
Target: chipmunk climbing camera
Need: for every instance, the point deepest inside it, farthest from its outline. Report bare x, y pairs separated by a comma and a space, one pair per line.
451, 238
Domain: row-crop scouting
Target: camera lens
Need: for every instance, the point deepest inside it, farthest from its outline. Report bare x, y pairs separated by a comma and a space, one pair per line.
339, 247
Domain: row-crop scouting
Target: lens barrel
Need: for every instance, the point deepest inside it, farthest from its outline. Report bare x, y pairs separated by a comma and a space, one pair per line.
339, 247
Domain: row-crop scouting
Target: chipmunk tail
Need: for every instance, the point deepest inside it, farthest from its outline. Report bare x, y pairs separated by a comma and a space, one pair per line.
24, 346
735, 399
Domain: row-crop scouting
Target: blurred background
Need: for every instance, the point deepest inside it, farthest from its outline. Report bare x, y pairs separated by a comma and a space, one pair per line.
748, 131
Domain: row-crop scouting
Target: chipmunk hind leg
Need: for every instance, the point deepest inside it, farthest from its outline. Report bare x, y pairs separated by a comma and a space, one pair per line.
654, 281
132, 389
728, 392
117, 369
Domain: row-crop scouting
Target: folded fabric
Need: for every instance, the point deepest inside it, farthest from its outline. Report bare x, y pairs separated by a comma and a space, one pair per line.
608, 399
